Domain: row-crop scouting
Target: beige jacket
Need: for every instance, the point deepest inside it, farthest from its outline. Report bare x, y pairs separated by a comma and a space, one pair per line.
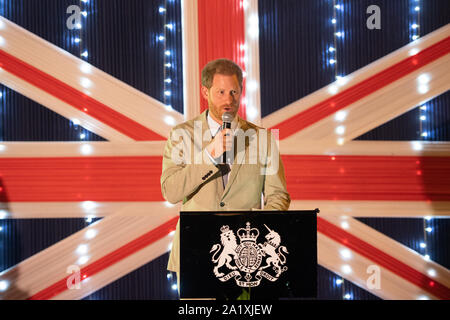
198, 181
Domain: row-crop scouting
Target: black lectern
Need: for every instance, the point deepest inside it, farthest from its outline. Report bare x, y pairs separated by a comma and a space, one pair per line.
264, 254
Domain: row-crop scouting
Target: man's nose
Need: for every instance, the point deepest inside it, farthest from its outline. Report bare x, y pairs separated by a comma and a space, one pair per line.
229, 99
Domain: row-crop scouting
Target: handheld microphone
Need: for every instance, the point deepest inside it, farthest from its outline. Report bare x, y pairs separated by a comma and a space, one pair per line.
227, 118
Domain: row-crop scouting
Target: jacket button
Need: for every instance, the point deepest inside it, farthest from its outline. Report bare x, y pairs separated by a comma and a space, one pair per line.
222, 204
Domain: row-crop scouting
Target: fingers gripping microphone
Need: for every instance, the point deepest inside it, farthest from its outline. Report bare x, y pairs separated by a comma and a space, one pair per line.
227, 118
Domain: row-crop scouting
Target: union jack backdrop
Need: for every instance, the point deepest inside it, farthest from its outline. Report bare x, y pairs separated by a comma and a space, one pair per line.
90, 90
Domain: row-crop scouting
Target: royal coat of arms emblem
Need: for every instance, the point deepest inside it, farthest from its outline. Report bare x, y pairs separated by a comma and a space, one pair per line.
248, 257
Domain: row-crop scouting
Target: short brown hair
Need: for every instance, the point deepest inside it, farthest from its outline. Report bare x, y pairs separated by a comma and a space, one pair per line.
220, 66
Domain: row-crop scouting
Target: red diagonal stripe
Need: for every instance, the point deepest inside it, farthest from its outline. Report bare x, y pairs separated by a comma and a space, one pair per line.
380, 80
76, 99
383, 259
110, 259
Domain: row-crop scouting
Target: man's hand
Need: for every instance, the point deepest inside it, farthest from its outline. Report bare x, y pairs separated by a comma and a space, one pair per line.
223, 141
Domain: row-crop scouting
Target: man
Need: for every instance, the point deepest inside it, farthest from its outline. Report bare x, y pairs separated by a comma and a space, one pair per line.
200, 179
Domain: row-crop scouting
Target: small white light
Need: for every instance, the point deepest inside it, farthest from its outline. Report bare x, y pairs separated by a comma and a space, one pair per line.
423, 78
82, 260
169, 26
340, 116
86, 83
423, 245
427, 257
169, 120
78, 26
86, 68
4, 285
167, 53
340, 130
347, 296
428, 218
3, 214
84, 13
168, 204
333, 21
415, 37
423, 118
333, 89
339, 281
168, 80
86, 149
415, 26
82, 136
338, 6
423, 298
82, 249
424, 108
1, 94
413, 51
417, 146
90, 234
252, 113
167, 93
1, 229
423, 88
174, 287
160, 38
332, 61
89, 206
424, 134
85, 54
417, 8
339, 34
341, 80
77, 40
346, 269
89, 218
162, 9
344, 225
331, 49
345, 254
168, 65
431, 272
252, 85
169, 276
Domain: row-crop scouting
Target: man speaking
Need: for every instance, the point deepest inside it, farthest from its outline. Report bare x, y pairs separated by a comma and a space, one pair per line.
218, 161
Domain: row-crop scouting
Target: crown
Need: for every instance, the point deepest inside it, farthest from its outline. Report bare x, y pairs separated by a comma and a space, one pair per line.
248, 234
224, 229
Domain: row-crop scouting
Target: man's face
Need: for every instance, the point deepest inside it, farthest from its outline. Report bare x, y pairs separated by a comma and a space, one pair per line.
223, 96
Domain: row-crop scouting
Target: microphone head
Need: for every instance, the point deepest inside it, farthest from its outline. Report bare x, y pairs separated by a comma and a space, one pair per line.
227, 117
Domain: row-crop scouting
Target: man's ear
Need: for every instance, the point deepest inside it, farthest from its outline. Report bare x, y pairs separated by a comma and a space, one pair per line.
205, 92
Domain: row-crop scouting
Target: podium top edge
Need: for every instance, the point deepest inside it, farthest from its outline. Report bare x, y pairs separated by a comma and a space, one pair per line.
231, 212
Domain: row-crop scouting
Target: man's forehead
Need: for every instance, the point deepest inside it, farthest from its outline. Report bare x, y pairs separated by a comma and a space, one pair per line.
221, 79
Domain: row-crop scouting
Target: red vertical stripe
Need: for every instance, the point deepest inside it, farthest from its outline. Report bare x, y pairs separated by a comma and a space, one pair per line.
221, 34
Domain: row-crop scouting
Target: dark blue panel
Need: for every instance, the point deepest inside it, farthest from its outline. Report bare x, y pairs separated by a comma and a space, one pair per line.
409, 126
22, 119
411, 232
120, 37
22, 238
295, 37
148, 282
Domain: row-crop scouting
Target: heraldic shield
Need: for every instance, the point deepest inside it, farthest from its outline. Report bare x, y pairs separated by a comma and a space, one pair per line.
272, 252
